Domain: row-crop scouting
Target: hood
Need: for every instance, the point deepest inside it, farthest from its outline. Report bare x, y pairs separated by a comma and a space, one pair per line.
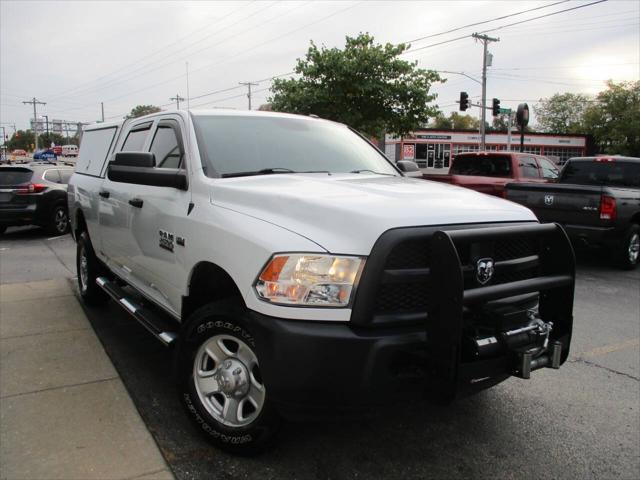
346, 213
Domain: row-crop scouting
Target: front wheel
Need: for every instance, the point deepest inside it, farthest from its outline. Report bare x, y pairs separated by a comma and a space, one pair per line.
220, 382
628, 253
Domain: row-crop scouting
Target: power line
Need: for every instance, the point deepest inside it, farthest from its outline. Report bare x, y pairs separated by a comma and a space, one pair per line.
484, 22
161, 50
413, 50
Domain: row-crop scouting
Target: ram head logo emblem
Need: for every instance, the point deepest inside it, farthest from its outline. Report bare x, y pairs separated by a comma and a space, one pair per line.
548, 199
484, 270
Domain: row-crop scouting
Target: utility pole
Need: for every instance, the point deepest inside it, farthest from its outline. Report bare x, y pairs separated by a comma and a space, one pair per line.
178, 99
35, 102
47, 120
102, 110
248, 84
485, 41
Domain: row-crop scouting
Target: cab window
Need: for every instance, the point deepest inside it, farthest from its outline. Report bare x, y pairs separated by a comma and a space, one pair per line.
548, 169
166, 147
136, 138
529, 167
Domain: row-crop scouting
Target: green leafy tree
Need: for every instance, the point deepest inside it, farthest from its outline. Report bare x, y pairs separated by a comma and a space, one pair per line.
142, 110
45, 139
455, 121
364, 85
20, 140
562, 113
614, 119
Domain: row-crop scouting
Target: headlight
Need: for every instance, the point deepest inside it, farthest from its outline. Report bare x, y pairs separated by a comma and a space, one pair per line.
309, 279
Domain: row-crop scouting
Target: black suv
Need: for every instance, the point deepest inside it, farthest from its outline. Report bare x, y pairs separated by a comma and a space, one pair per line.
35, 194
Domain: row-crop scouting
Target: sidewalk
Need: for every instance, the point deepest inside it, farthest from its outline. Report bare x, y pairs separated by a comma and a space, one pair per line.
64, 412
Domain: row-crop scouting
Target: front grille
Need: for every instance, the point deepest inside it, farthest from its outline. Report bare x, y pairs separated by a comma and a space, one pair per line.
397, 278
403, 298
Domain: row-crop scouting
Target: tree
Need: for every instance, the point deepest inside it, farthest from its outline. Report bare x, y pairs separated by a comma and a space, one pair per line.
614, 119
365, 85
455, 121
562, 113
141, 110
45, 139
20, 140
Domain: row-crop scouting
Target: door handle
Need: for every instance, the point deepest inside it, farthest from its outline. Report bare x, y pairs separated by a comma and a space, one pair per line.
104, 194
135, 202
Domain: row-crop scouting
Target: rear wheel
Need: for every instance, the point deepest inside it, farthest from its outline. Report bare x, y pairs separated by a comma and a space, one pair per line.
220, 382
628, 253
58, 221
88, 268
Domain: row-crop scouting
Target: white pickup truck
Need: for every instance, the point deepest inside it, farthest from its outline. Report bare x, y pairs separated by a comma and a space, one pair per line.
295, 271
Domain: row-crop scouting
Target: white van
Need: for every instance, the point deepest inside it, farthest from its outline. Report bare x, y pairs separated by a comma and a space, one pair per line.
69, 150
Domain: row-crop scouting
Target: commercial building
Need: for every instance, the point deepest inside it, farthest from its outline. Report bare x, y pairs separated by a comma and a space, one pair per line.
433, 150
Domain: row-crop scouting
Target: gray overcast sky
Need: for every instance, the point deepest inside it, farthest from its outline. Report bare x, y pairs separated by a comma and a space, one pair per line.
74, 55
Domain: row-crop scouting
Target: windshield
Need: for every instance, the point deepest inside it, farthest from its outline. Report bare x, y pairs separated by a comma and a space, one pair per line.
237, 145
590, 172
482, 165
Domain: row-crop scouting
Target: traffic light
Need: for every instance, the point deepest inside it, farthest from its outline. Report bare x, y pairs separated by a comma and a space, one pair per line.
496, 107
464, 101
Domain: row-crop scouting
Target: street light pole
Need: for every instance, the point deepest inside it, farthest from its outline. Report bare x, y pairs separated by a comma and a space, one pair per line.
485, 41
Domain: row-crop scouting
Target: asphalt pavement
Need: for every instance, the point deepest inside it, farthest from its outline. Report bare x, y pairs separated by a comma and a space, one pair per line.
582, 421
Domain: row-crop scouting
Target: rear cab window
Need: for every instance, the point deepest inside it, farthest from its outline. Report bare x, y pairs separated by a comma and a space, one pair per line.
136, 138
167, 145
94, 149
482, 165
617, 173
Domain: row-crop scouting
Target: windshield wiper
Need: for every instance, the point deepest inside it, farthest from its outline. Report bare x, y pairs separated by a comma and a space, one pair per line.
264, 171
371, 171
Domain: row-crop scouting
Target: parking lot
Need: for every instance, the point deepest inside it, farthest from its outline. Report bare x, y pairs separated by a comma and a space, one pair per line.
582, 421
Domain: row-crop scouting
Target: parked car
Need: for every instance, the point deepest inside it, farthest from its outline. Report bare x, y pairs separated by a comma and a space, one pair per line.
47, 155
69, 150
18, 152
57, 150
304, 273
596, 199
489, 172
34, 195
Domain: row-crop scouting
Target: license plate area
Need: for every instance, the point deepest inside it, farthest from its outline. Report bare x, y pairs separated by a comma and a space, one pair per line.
6, 197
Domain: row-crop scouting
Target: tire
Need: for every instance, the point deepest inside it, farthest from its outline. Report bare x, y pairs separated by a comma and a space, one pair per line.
2, 229
89, 268
58, 220
628, 253
234, 377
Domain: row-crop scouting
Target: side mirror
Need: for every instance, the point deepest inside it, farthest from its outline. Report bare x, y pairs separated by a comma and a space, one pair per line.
155, 177
135, 159
409, 168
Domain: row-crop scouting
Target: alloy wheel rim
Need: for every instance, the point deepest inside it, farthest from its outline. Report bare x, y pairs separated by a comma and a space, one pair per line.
228, 381
634, 248
60, 220
84, 270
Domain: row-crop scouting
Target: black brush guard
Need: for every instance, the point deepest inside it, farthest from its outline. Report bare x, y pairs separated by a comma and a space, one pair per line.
448, 373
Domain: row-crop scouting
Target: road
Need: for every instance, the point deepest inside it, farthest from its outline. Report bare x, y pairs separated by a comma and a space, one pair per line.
582, 421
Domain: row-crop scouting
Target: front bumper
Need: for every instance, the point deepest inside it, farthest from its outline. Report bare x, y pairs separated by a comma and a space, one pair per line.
312, 367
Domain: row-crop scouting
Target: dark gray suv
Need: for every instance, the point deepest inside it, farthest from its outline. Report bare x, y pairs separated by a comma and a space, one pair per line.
35, 194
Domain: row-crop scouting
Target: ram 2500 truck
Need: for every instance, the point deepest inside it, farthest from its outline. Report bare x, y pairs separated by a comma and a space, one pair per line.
295, 271
596, 200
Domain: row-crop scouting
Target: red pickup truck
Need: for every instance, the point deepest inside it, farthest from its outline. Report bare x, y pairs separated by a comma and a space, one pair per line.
489, 172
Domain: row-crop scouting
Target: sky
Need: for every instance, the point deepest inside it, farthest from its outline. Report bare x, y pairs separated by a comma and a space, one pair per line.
73, 55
